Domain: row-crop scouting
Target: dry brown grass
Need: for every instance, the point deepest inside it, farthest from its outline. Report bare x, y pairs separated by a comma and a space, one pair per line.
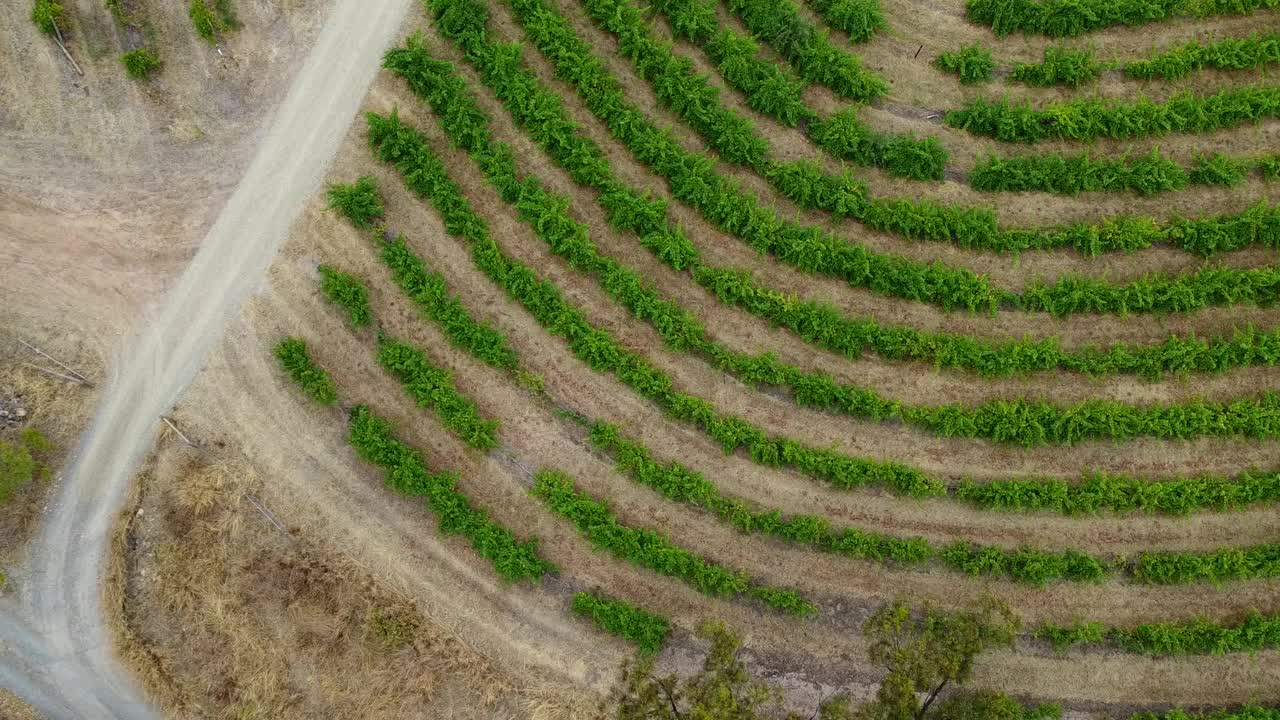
223, 616
56, 408
13, 708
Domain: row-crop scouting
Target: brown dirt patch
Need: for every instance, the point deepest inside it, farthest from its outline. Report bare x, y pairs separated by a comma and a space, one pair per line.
274, 623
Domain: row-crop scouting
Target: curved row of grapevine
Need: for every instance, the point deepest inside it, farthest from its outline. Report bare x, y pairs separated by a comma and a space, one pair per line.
1255, 51
1063, 18
422, 171
809, 186
346, 291
432, 387
655, 551
1191, 637
314, 381
680, 484
859, 19
647, 630
406, 471
1148, 174
1073, 67
778, 24
1090, 118
770, 90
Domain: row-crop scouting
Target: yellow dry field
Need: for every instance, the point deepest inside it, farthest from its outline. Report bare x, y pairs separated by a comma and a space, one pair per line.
290, 623
12, 708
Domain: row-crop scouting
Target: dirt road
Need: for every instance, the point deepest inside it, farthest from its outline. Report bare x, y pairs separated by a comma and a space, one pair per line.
59, 658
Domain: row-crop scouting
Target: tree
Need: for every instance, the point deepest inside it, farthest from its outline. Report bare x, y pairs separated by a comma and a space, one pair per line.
723, 690
927, 652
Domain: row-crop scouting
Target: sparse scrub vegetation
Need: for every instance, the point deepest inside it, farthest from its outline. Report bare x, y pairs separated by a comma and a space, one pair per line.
47, 14
21, 461
140, 63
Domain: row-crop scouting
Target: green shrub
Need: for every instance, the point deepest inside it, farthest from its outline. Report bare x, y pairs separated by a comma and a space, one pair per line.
359, 202
208, 24
972, 63
1090, 119
1061, 66
1063, 18
861, 19
140, 63
346, 291
646, 630
1218, 169
116, 8
20, 461
46, 14
1227, 54
407, 473
394, 630
647, 548
314, 381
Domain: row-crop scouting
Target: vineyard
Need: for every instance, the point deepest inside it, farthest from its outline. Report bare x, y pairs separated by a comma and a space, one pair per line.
816, 317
